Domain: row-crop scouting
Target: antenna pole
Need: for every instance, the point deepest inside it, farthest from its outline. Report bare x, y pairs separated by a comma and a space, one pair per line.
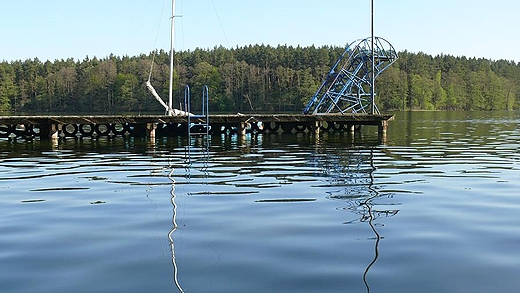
372, 95
170, 93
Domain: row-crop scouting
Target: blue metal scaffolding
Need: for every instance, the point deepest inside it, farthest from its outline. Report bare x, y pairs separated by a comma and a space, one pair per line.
349, 86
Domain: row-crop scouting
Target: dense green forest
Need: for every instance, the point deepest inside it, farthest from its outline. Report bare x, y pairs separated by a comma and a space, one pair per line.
255, 78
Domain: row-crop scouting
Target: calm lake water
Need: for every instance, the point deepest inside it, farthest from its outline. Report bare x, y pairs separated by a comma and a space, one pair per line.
436, 209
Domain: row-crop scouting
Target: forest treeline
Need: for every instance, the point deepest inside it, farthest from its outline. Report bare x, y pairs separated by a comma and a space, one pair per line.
255, 78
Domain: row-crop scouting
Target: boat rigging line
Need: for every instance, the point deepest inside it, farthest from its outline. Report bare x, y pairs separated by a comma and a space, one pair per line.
220, 23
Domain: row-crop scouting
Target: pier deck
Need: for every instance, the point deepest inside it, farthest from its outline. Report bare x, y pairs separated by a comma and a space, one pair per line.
53, 126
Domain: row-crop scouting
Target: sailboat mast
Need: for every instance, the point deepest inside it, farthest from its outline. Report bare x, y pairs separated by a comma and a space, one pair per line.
172, 32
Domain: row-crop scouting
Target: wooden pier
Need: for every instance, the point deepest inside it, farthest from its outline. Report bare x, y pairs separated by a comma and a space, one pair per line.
54, 127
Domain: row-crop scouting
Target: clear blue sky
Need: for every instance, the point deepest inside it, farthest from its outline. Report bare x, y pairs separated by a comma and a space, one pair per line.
59, 29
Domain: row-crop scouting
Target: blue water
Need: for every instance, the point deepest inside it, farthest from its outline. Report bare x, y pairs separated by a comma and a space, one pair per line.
435, 209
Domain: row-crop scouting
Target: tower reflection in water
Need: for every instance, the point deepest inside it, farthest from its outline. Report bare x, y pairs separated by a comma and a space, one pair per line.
348, 175
354, 174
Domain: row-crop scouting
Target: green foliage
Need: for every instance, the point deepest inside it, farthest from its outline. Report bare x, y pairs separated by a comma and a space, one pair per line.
255, 78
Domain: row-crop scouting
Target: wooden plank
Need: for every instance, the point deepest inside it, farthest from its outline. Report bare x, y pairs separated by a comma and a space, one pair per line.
223, 119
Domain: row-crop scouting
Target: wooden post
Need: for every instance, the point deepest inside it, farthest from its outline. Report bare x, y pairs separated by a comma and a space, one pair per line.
150, 127
242, 128
382, 129
351, 129
49, 131
54, 131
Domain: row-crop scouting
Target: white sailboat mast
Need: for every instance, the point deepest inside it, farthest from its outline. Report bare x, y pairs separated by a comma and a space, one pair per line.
170, 111
172, 39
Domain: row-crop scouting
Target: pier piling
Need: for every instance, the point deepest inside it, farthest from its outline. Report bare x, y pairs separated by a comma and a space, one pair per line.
54, 127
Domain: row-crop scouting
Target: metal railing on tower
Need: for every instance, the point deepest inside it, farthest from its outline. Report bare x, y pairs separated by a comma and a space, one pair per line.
348, 86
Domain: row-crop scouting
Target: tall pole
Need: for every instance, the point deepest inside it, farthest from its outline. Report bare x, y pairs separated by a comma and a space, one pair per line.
172, 32
372, 95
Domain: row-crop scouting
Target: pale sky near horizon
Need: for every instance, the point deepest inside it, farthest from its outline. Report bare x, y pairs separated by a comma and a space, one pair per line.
60, 29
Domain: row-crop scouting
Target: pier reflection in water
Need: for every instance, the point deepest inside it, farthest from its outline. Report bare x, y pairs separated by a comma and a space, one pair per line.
347, 176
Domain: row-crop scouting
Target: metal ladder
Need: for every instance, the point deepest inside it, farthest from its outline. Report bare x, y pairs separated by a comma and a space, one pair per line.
198, 130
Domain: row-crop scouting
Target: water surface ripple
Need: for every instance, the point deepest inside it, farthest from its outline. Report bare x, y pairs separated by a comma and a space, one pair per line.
436, 209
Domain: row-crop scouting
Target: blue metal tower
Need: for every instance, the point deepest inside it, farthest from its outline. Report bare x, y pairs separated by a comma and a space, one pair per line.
348, 87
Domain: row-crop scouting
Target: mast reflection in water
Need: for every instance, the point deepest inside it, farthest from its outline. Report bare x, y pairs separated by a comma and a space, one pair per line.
174, 228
